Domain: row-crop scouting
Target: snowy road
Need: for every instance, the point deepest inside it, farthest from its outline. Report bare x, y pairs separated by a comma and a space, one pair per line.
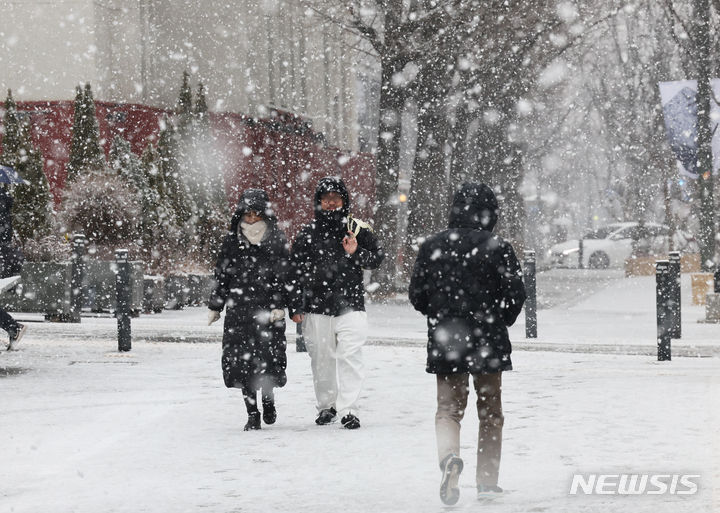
87, 429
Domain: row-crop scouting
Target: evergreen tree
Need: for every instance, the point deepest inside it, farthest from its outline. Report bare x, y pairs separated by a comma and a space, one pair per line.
11, 132
150, 163
160, 230
131, 170
176, 191
202, 119
31, 208
85, 152
212, 181
126, 165
184, 108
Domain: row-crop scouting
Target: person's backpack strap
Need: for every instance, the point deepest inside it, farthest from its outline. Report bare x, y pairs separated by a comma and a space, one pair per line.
354, 225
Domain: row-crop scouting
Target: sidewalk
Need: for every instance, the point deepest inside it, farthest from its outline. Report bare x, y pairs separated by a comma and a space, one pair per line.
612, 315
88, 429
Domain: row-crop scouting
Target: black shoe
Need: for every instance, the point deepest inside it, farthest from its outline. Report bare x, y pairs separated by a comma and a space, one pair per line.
15, 336
269, 415
253, 421
451, 467
350, 421
326, 416
488, 492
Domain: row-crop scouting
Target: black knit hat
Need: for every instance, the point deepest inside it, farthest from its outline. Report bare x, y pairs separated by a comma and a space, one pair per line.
474, 206
332, 184
255, 200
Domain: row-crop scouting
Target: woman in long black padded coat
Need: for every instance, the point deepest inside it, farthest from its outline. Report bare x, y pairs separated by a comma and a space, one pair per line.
251, 273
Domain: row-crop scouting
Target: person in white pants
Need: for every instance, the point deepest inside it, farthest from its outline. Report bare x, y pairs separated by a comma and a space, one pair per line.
334, 344
328, 258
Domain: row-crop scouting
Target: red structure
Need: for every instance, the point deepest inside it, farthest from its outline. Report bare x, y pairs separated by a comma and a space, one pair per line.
281, 154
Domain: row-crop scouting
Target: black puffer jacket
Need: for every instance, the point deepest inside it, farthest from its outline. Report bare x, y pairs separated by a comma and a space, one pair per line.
468, 283
328, 280
6, 221
251, 281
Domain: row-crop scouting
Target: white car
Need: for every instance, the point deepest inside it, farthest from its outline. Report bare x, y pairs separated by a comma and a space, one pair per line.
611, 245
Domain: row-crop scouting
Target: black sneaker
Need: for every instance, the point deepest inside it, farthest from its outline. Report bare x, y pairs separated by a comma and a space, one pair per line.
326, 416
269, 415
451, 467
253, 422
15, 336
488, 492
350, 421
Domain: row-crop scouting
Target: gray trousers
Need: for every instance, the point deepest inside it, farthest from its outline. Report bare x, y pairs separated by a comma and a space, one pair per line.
452, 395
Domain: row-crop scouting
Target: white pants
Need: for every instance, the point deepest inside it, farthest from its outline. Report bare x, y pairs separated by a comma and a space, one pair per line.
335, 348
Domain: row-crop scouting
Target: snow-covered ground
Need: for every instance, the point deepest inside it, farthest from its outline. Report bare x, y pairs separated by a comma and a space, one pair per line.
88, 429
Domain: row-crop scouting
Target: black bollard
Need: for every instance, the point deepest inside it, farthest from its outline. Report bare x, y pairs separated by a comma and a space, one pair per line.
663, 276
299, 339
675, 301
716, 277
531, 292
580, 254
122, 294
77, 273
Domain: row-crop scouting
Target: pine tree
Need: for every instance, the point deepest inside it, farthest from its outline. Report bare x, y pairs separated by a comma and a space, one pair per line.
212, 182
160, 232
11, 132
132, 171
126, 165
95, 153
184, 108
150, 163
176, 192
86, 155
202, 119
31, 208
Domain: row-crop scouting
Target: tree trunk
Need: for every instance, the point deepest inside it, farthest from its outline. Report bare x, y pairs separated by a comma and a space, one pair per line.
458, 171
704, 160
427, 202
499, 165
387, 172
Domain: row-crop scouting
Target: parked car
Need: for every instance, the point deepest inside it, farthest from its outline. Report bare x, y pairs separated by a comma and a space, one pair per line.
609, 246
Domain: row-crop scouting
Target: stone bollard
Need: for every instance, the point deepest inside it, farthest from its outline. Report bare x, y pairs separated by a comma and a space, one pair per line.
530, 281
663, 276
300, 346
675, 301
712, 307
77, 275
581, 250
123, 288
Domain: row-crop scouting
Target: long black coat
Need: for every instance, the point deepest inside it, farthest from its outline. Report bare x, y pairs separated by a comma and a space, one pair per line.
328, 280
468, 283
6, 225
251, 281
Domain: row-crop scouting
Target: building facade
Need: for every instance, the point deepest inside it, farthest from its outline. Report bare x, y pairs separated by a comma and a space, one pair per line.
251, 56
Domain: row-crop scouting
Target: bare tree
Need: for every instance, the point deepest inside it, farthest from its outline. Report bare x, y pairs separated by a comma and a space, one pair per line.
694, 28
623, 88
400, 32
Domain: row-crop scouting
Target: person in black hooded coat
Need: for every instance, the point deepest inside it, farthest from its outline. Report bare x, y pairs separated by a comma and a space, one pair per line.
328, 258
468, 283
251, 274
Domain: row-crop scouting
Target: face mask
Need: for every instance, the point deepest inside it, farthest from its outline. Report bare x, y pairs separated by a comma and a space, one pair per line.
254, 232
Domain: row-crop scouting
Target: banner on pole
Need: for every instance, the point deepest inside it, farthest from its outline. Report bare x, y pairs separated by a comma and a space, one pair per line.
680, 113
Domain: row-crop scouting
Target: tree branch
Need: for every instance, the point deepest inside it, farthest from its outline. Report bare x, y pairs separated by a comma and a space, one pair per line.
674, 17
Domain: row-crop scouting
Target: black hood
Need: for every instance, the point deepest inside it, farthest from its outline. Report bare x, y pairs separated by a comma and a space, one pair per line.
474, 206
256, 200
332, 184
